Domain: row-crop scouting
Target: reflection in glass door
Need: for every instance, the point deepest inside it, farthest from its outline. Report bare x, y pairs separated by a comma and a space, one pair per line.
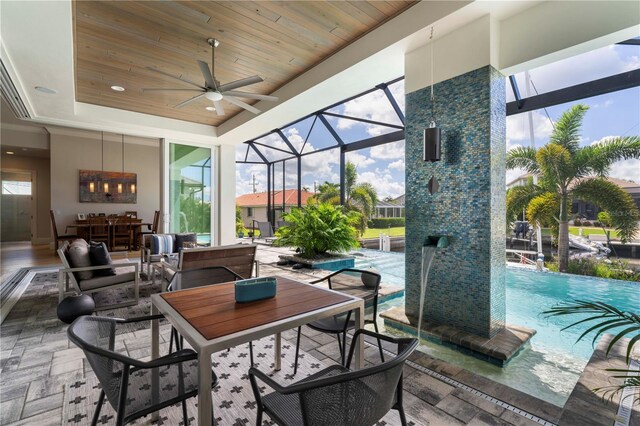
190, 203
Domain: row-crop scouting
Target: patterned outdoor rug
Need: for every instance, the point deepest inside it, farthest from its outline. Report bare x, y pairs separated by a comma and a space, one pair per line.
233, 400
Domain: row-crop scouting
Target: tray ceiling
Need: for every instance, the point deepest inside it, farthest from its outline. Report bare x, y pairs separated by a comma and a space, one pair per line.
115, 42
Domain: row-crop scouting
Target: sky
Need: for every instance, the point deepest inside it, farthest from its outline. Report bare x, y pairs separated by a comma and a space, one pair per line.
613, 114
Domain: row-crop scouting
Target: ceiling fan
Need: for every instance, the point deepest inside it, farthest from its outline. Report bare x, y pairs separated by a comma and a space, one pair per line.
213, 90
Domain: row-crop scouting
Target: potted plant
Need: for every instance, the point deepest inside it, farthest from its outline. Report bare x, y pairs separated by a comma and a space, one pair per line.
318, 232
240, 229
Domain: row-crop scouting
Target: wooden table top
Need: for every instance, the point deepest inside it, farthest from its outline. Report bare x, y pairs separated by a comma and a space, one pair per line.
213, 311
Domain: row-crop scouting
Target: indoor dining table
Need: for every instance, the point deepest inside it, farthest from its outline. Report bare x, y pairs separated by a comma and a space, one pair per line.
82, 227
210, 320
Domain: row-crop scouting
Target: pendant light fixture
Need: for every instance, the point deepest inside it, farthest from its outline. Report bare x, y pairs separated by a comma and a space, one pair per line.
433, 134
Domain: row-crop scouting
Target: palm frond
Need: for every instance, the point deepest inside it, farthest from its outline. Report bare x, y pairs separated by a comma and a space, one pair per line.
566, 132
612, 199
523, 158
609, 317
597, 159
609, 392
518, 198
556, 165
544, 208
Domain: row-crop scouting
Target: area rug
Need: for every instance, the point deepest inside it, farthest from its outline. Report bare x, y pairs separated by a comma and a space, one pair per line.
233, 400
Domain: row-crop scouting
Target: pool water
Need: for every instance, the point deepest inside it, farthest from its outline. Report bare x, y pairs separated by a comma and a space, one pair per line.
551, 365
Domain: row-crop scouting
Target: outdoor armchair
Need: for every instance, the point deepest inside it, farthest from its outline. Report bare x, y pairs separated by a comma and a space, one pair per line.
355, 282
74, 281
135, 388
336, 395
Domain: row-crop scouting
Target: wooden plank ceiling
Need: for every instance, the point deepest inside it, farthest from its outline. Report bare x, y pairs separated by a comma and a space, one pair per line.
115, 42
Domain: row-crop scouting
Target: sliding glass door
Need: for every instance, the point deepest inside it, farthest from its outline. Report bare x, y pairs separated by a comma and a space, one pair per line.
190, 201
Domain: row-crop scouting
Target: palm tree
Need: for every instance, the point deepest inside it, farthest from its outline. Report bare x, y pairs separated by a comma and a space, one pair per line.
567, 171
359, 197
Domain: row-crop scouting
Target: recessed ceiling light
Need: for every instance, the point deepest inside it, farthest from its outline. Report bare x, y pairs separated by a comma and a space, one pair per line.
117, 88
45, 90
210, 108
10, 152
25, 149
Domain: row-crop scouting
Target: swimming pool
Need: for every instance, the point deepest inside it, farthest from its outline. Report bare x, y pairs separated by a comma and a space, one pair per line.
551, 365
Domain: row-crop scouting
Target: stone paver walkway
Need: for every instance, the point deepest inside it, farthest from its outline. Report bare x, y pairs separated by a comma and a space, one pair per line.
37, 361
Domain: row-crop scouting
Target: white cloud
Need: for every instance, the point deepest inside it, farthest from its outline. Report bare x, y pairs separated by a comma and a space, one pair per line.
244, 178
320, 165
398, 165
388, 151
360, 161
518, 128
384, 183
374, 106
293, 135
627, 170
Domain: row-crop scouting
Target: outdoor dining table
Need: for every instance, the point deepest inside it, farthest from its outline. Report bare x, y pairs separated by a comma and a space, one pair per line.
210, 320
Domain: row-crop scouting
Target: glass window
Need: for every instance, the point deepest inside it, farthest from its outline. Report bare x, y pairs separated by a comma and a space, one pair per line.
13, 187
190, 190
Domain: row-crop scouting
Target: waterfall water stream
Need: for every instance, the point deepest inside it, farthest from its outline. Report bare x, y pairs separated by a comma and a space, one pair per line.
428, 252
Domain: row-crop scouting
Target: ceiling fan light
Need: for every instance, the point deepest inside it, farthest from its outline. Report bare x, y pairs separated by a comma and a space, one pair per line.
213, 96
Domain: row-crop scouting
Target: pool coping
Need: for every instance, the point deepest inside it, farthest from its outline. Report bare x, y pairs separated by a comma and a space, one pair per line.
498, 350
584, 406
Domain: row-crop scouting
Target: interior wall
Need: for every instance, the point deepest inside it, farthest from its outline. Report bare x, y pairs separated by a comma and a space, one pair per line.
42, 233
74, 150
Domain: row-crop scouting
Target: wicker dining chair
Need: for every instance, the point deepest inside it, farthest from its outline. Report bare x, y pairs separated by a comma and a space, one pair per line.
336, 395
135, 388
356, 282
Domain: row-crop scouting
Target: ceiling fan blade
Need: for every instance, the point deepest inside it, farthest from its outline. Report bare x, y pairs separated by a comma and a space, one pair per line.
250, 95
171, 90
240, 83
188, 101
219, 107
241, 104
206, 73
177, 78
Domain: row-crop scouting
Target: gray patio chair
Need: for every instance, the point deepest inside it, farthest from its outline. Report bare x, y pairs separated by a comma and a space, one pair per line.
266, 231
81, 280
356, 282
336, 395
135, 388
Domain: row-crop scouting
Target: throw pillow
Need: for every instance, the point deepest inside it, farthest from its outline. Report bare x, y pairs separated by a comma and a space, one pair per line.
79, 258
184, 238
162, 244
100, 256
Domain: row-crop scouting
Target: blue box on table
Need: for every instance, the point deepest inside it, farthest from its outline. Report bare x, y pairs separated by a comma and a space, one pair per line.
253, 289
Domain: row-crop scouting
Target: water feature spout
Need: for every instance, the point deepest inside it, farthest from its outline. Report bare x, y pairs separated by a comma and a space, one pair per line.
431, 244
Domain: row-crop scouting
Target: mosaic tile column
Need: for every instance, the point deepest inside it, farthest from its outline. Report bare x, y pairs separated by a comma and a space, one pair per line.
466, 286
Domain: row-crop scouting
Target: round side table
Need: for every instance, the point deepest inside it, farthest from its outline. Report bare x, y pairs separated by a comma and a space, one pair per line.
72, 307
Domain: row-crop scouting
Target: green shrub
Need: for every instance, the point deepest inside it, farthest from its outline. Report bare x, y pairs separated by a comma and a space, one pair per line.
386, 222
239, 223
318, 229
615, 270
604, 218
577, 222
